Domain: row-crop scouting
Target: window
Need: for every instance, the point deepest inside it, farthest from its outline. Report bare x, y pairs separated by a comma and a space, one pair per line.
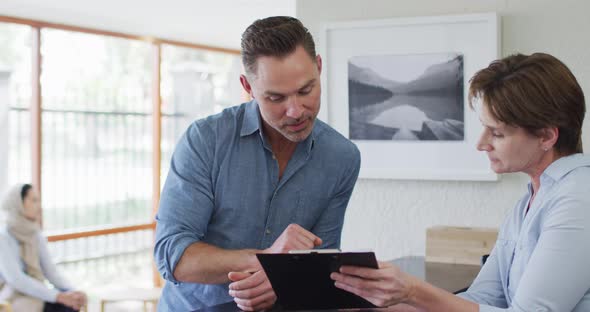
97, 135
15, 98
97, 130
195, 83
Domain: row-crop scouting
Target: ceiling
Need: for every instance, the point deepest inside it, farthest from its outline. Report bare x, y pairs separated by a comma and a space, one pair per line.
217, 23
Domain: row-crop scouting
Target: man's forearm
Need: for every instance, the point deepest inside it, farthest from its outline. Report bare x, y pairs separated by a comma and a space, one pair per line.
208, 264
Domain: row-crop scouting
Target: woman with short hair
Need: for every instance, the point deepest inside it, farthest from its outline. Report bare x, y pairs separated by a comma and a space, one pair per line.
532, 109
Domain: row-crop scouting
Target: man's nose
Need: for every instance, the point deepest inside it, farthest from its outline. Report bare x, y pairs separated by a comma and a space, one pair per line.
294, 107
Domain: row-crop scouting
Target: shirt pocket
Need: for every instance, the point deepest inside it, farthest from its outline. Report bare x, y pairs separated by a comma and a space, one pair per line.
505, 249
522, 254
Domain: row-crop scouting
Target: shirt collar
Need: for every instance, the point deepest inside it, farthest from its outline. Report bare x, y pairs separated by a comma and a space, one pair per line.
310, 140
253, 122
565, 165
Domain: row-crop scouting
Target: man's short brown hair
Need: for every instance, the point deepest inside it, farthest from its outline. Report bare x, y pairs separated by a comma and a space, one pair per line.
533, 92
276, 36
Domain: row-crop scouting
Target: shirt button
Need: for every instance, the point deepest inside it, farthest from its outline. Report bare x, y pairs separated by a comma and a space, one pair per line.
267, 231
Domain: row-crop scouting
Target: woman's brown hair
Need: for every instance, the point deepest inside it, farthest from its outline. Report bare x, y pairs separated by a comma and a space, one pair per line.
533, 92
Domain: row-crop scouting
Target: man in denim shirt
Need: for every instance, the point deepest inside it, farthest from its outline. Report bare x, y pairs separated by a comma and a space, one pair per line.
265, 176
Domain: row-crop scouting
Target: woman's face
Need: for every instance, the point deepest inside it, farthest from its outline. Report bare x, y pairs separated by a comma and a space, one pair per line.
32, 205
510, 149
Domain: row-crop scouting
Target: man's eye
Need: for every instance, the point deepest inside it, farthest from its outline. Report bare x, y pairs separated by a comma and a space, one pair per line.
275, 98
305, 91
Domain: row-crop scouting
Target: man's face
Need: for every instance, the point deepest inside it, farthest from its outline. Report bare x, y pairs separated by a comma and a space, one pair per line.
288, 93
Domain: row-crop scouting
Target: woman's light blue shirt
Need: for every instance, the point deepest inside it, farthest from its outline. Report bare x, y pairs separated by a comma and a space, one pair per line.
541, 261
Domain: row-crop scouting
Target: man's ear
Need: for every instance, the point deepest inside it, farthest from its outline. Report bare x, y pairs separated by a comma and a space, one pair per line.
246, 85
318, 60
549, 137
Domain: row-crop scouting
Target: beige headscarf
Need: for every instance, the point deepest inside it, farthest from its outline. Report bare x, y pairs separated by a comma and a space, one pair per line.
26, 233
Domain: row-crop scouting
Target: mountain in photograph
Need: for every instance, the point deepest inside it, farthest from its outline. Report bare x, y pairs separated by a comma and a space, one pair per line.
444, 77
369, 76
430, 107
366, 87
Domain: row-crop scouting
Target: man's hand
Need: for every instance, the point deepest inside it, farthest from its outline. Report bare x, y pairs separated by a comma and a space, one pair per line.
251, 291
294, 237
72, 299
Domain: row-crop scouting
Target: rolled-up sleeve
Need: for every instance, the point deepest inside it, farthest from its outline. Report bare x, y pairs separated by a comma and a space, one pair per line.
187, 199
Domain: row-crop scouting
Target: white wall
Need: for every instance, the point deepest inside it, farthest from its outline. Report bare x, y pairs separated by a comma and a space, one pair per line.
391, 216
385, 215
211, 22
4, 135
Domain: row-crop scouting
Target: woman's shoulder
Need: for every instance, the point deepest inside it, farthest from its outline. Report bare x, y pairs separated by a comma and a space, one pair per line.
5, 238
571, 173
568, 199
4, 233
42, 238
575, 184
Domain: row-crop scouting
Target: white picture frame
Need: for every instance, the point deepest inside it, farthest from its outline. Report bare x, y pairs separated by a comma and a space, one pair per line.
474, 36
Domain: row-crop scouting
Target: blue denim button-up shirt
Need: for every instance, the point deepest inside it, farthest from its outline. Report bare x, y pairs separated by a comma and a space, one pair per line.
223, 189
541, 260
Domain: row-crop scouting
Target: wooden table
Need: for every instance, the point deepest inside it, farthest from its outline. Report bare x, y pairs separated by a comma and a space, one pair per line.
450, 277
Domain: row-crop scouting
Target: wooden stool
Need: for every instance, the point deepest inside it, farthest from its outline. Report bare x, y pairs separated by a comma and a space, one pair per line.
5, 306
145, 295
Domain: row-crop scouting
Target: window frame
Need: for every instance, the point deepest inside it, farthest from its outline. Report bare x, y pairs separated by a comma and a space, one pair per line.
36, 110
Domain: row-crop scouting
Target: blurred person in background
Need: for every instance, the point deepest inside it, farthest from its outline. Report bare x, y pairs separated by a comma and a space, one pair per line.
25, 263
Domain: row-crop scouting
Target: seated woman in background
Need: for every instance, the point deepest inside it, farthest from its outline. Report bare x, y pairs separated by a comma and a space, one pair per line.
532, 109
25, 262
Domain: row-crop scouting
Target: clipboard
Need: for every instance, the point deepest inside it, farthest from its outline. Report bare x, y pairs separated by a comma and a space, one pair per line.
302, 280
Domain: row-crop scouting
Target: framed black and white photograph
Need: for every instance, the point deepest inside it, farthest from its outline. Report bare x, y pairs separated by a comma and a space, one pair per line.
417, 97
398, 89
